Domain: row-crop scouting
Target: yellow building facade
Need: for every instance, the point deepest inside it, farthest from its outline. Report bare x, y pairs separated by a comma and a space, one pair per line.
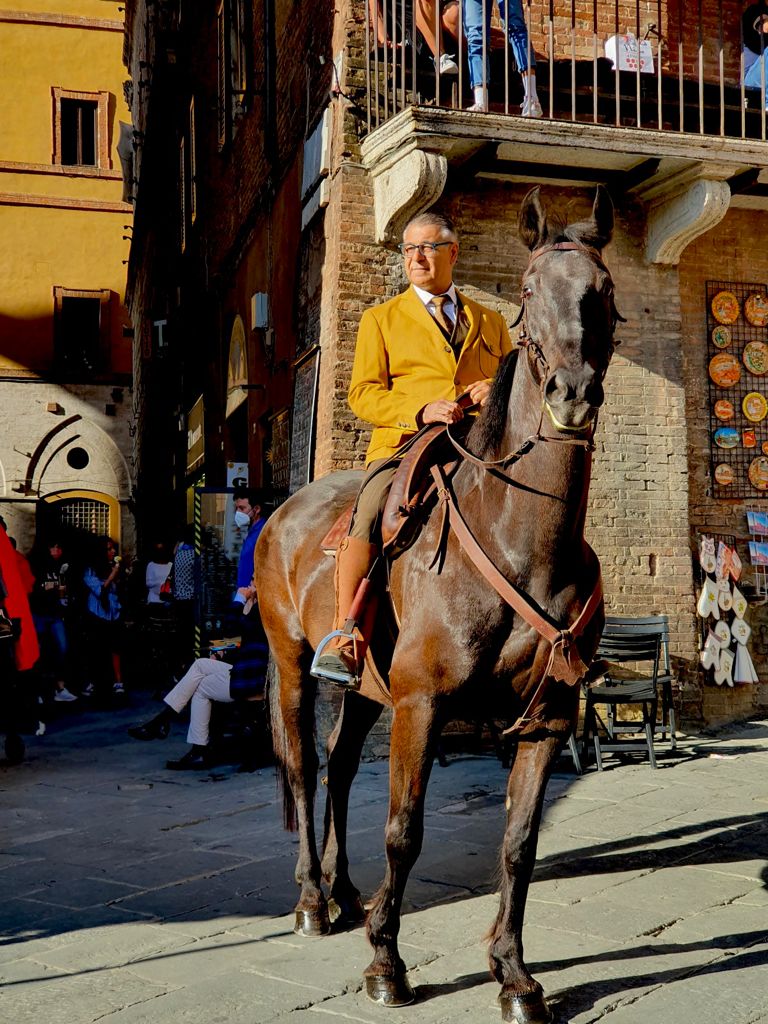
65, 344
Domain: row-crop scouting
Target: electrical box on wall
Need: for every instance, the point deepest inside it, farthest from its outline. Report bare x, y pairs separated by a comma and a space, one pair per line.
259, 310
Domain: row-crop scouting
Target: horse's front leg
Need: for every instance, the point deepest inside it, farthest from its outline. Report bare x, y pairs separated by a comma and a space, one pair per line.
414, 734
345, 744
297, 706
522, 1000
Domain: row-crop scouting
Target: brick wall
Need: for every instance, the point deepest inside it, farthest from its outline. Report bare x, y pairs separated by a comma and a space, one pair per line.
732, 251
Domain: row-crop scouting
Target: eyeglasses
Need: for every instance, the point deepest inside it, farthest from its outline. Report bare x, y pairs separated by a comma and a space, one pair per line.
424, 249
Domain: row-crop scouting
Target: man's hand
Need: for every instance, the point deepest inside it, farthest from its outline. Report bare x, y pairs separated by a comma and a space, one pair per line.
441, 411
479, 391
248, 592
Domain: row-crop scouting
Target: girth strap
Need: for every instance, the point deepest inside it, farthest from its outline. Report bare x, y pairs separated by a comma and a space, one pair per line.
565, 663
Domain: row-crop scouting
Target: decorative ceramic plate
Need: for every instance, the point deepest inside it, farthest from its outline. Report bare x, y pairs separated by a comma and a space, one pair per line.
758, 473
727, 437
764, 447
724, 369
755, 406
724, 409
725, 308
721, 336
756, 309
724, 474
755, 357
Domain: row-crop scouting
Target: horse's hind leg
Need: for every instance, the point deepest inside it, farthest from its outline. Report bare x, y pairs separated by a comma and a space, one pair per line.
522, 1000
415, 731
345, 744
296, 706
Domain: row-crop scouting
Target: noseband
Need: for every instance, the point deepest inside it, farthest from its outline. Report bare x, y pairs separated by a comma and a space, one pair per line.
535, 352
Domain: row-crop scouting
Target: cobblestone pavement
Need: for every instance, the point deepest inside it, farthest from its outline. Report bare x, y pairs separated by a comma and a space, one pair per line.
132, 894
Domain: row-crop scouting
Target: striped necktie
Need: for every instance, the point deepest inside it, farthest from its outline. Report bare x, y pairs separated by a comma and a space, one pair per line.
440, 315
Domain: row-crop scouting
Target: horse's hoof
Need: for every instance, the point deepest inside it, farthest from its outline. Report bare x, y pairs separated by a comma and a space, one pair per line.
346, 913
525, 1008
388, 991
312, 923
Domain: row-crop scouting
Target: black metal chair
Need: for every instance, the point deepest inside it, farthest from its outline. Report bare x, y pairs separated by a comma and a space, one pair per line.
619, 646
654, 624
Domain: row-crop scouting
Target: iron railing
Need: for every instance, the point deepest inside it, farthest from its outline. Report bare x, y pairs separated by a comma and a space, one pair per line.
688, 76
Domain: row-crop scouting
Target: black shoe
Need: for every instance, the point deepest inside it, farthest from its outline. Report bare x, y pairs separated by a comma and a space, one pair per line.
338, 666
192, 761
151, 730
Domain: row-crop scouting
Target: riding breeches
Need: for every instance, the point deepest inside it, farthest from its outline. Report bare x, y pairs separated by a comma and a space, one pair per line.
371, 500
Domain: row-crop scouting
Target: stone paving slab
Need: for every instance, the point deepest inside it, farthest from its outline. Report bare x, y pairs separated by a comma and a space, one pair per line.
133, 895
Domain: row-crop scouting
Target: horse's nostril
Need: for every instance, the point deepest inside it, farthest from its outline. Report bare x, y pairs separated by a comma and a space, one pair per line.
560, 387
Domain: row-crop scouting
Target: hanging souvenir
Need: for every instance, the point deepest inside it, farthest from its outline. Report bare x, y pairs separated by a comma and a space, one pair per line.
721, 336
755, 357
756, 309
740, 630
744, 669
754, 406
723, 560
710, 653
726, 437
758, 473
707, 604
735, 565
749, 438
723, 633
707, 554
724, 369
725, 307
723, 674
724, 409
739, 603
724, 474
724, 598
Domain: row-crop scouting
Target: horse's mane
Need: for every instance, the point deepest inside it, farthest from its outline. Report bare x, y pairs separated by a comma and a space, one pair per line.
488, 431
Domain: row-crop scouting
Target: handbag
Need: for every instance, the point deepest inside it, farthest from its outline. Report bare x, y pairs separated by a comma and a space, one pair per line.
166, 589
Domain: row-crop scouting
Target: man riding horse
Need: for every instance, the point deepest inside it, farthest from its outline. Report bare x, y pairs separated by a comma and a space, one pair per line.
415, 355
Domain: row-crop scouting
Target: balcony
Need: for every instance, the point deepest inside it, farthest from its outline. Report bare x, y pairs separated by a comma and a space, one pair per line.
656, 109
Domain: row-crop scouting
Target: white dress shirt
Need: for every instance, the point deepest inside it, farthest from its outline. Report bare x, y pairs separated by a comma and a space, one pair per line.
449, 306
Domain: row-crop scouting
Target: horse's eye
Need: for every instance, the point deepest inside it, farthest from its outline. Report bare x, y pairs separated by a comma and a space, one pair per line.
527, 292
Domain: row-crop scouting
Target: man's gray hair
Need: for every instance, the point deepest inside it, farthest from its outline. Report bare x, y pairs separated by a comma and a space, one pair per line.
433, 220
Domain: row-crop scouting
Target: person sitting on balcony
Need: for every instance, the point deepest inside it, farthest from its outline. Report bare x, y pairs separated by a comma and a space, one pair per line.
426, 22
755, 35
477, 29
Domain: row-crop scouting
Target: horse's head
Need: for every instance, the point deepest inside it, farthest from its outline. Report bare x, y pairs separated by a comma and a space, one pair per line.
568, 311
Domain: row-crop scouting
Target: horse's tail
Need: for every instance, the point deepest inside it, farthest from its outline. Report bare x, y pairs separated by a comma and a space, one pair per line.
280, 746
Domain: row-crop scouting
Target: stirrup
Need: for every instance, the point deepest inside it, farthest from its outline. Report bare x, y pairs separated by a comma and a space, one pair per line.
347, 680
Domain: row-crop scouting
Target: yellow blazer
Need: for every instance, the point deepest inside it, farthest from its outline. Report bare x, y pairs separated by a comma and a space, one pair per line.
403, 362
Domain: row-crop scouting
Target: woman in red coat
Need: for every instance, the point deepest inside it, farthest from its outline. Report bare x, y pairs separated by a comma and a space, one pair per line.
16, 604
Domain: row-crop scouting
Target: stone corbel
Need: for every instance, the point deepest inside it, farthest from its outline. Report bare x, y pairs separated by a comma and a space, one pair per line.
675, 222
405, 187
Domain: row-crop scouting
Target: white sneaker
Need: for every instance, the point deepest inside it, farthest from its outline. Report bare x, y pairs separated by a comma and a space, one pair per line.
87, 690
64, 694
118, 688
448, 65
478, 107
531, 108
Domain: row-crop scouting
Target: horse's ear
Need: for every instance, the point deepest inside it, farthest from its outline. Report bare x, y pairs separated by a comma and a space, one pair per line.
602, 216
532, 222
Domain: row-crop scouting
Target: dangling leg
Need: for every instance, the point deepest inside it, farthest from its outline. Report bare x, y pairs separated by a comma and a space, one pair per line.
338, 662
415, 730
521, 997
345, 744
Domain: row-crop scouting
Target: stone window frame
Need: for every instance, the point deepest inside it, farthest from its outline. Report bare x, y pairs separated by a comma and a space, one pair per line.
101, 99
104, 295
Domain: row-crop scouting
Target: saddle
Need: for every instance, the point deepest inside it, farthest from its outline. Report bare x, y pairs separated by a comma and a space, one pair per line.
411, 495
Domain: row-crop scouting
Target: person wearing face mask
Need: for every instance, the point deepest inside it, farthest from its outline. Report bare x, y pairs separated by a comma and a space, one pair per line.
249, 503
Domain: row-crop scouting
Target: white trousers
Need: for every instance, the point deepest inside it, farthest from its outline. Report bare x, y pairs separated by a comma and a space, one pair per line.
205, 681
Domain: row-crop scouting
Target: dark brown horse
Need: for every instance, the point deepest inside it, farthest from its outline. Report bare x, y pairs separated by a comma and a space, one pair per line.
460, 643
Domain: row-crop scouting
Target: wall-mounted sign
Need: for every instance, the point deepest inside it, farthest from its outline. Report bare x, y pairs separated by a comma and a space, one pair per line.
237, 368
303, 420
195, 436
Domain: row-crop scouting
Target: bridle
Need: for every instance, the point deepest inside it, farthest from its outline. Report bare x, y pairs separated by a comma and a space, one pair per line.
539, 368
